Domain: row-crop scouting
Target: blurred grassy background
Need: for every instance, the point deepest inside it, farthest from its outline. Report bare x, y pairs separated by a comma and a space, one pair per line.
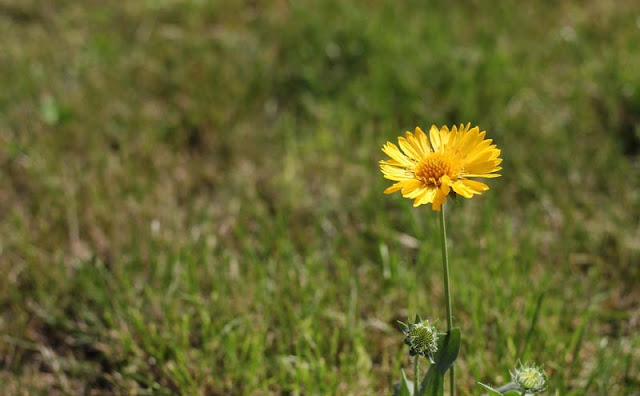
190, 201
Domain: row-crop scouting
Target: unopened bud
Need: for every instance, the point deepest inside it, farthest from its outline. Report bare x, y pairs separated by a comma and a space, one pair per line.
530, 378
422, 338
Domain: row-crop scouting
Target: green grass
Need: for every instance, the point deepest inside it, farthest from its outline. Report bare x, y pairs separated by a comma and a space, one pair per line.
190, 201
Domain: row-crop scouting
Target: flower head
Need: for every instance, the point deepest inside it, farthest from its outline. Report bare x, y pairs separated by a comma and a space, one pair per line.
529, 378
422, 338
426, 170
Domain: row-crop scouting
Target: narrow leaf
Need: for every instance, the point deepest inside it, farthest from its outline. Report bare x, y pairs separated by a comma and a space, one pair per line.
511, 386
433, 383
448, 350
404, 387
490, 389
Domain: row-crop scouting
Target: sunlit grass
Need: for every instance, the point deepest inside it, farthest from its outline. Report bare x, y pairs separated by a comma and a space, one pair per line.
191, 202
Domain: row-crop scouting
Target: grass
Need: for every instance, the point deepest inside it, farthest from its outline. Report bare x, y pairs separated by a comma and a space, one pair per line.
191, 203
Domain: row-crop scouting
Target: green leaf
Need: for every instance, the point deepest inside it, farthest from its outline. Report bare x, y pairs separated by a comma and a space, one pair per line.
448, 348
509, 388
433, 383
490, 389
404, 387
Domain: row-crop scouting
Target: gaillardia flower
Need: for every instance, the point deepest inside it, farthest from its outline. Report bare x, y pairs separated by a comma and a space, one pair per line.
426, 170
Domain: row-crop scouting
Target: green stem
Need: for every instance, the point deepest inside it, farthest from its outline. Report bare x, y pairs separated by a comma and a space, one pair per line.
447, 291
416, 375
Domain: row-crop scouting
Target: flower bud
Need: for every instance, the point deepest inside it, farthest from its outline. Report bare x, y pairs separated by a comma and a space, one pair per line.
529, 378
422, 338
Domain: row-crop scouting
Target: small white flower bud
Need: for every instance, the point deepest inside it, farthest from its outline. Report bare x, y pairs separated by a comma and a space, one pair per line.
422, 338
529, 378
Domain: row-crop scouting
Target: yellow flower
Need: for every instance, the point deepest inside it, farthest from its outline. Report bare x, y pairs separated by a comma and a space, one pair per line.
426, 170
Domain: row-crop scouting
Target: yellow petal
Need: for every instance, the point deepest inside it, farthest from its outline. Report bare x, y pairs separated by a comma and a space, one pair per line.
445, 184
426, 197
417, 145
395, 173
475, 186
392, 151
471, 140
441, 193
390, 162
421, 137
445, 135
485, 175
459, 187
408, 148
481, 169
488, 155
412, 188
434, 137
411, 191
438, 200
393, 188
407, 186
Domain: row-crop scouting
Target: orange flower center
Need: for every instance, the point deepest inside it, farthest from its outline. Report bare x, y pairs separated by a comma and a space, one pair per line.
434, 166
